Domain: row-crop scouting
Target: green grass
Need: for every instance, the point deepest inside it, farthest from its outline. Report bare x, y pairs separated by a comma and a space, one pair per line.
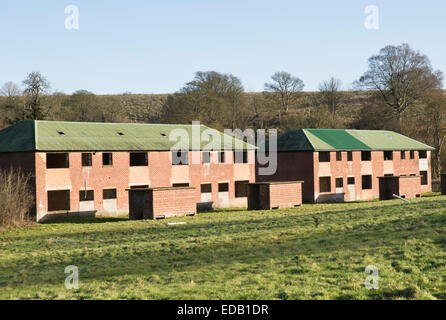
312, 252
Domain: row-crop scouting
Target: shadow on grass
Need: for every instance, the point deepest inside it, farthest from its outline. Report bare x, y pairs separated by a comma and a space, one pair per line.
221, 210
82, 220
229, 227
168, 258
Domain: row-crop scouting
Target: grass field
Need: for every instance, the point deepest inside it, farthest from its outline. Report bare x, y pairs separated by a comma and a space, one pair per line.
312, 252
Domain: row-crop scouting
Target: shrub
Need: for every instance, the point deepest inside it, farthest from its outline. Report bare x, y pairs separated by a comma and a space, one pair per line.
16, 198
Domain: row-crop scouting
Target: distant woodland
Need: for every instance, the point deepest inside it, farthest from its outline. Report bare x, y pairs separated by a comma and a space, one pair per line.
399, 91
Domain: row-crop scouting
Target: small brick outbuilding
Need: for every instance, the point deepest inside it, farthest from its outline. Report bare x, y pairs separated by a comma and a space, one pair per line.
404, 186
154, 203
274, 195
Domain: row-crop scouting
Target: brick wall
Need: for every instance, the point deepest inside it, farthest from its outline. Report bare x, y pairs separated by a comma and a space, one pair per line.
285, 195
172, 202
306, 166
410, 187
377, 167
293, 166
271, 195
159, 173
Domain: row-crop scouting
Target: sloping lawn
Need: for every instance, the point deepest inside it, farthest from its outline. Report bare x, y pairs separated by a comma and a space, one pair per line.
312, 252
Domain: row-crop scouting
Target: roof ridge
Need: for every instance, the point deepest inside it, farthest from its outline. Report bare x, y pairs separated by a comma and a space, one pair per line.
112, 123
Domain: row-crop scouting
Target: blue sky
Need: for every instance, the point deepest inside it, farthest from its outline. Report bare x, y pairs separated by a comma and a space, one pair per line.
156, 46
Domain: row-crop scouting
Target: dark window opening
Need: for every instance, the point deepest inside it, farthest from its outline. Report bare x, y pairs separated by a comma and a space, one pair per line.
140, 187
86, 195
107, 159
366, 156
139, 159
324, 156
349, 156
351, 180
339, 182
338, 156
87, 159
403, 155
240, 189
388, 155
324, 184
222, 157
59, 200
179, 185
120, 133
412, 154
424, 180
206, 157
57, 160
109, 194
240, 157
223, 187
366, 182
422, 154
206, 188
180, 157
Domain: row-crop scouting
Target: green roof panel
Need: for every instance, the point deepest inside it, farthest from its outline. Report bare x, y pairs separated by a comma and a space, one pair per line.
388, 140
97, 136
334, 139
340, 139
19, 137
293, 140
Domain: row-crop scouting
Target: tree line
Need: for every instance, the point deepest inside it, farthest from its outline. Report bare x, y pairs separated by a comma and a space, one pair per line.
399, 91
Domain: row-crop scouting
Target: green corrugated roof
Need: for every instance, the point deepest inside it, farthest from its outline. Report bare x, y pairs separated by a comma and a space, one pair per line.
388, 140
334, 139
340, 139
97, 136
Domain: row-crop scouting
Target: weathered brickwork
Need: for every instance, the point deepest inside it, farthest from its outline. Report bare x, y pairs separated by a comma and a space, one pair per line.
404, 186
120, 176
173, 202
274, 195
306, 166
410, 187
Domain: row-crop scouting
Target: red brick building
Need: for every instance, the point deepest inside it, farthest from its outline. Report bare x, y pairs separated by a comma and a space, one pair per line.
85, 168
344, 165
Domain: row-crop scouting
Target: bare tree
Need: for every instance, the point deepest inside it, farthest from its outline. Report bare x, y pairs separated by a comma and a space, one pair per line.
330, 94
10, 89
433, 127
36, 85
285, 87
400, 76
11, 105
211, 97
